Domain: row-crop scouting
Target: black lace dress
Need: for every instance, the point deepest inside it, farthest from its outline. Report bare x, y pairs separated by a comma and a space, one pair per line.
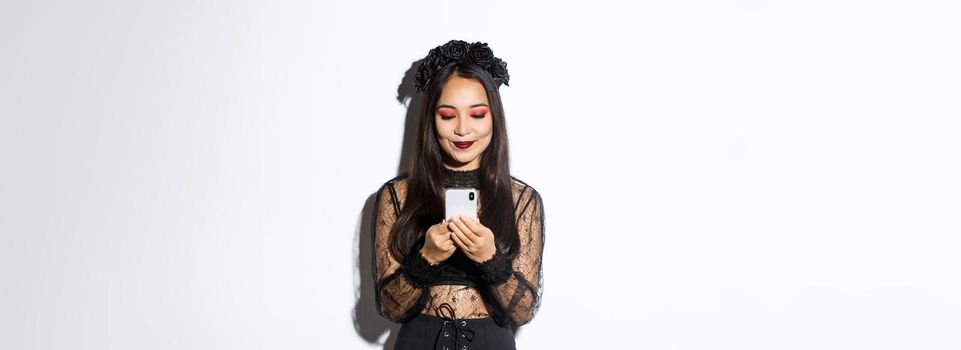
506, 291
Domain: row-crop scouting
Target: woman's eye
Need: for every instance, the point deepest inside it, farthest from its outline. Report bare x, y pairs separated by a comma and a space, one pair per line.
446, 117
479, 116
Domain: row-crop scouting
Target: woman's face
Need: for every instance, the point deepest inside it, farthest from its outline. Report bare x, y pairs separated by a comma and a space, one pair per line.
464, 123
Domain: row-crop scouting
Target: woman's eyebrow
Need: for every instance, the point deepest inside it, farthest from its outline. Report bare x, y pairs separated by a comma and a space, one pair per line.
472, 106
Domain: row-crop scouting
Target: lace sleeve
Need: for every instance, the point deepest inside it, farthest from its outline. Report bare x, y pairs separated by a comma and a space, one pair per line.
401, 288
517, 285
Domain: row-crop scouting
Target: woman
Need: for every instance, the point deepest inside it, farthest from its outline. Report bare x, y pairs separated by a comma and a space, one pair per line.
458, 284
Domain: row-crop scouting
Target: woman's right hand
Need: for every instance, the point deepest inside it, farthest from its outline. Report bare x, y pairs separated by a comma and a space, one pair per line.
438, 246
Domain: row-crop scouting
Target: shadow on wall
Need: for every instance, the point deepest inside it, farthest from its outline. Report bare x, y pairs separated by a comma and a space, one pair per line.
367, 322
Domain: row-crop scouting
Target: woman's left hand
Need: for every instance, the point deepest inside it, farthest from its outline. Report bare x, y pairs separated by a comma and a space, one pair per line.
475, 239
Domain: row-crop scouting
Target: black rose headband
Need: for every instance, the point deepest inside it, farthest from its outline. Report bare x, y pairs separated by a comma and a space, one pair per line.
457, 50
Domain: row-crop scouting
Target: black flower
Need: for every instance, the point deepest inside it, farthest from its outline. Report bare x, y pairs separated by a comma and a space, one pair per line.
455, 50
480, 54
498, 70
423, 76
434, 60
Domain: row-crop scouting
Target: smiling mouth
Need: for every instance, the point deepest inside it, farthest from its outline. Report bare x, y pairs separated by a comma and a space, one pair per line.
463, 145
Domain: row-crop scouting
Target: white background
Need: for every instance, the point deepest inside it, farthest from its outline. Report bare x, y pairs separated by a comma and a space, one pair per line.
740, 174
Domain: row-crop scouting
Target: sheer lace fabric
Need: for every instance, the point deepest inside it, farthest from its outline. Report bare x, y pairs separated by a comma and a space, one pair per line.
508, 291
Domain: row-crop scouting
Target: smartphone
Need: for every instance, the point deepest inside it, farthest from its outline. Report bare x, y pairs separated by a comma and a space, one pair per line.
460, 201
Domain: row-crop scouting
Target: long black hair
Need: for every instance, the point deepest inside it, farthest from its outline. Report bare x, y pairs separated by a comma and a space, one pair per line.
424, 205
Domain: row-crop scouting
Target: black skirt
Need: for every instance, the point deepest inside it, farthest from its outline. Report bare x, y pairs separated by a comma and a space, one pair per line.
441, 333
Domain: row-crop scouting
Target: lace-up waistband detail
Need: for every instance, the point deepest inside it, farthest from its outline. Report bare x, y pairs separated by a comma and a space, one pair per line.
456, 334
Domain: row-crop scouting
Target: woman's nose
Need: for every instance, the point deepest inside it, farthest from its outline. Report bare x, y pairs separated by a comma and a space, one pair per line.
461, 128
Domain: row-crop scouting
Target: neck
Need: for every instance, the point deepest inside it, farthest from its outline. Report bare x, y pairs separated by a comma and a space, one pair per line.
464, 167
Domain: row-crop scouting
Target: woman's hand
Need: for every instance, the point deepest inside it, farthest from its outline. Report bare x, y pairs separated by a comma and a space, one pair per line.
438, 245
476, 240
